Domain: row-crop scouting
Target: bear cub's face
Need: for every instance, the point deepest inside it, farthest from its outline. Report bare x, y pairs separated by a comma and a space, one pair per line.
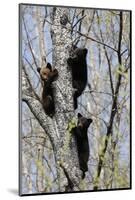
78, 56
45, 72
83, 123
80, 53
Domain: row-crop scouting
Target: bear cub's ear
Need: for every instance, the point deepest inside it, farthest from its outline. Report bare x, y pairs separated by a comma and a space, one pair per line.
85, 51
79, 115
89, 121
49, 66
38, 69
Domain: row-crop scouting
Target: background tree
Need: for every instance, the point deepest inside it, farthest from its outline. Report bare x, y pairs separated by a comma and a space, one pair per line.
48, 151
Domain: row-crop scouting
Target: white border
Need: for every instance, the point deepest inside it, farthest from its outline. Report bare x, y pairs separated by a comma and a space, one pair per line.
9, 98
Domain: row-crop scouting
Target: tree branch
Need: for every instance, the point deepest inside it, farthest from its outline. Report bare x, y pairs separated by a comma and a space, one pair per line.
28, 39
108, 60
94, 40
113, 110
79, 20
40, 26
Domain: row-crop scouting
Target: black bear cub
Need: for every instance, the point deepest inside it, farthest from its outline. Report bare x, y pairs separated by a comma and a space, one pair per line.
48, 75
78, 65
81, 138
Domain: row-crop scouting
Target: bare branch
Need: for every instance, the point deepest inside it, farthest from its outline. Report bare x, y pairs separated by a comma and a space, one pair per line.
113, 110
40, 26
31, 50
94, 40
79, 21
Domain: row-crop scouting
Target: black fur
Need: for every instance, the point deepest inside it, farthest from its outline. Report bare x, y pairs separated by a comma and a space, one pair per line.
47, 94
81, 138
78, 65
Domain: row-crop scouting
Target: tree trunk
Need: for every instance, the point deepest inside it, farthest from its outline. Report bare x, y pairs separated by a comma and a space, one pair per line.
64, 101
